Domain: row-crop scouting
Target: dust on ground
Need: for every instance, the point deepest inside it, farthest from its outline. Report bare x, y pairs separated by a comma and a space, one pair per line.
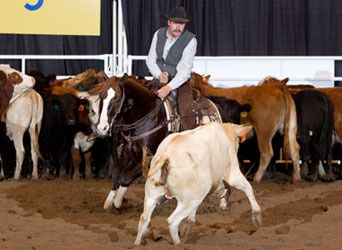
60, 214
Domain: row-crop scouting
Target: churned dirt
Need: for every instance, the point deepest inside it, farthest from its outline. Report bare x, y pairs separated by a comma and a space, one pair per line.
60, 214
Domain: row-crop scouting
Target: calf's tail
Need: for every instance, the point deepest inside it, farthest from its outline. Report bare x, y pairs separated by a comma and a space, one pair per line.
163, 166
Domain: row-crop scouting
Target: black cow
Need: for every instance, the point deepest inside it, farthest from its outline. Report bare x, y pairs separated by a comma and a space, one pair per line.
315, 130
7, 154
42, 82
230, 110
61, 122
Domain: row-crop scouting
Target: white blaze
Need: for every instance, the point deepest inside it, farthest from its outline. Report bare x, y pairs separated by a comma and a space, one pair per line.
103, 126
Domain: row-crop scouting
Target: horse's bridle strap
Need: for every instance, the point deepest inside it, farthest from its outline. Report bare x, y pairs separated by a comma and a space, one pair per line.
147, 133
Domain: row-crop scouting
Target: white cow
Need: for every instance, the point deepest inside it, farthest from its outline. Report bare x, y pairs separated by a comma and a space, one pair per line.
25, 113
188, 166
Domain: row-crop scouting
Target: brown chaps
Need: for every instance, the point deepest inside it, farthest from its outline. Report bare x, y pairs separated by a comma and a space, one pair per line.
186, 107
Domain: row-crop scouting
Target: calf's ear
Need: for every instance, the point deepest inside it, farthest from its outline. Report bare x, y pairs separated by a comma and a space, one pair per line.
206, 78
14, 78
285, 80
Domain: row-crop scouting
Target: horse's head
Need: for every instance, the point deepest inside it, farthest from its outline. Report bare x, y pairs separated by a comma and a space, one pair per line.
111, 97
129, 164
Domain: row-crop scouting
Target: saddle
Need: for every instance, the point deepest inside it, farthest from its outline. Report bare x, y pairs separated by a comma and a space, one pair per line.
205, 111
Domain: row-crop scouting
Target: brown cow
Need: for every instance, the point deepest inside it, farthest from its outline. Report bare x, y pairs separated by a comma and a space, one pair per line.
334, 95
6, 91
273, 110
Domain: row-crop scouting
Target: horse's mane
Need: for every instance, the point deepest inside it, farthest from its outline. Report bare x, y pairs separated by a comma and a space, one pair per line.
133, 82
117, 83
101, 88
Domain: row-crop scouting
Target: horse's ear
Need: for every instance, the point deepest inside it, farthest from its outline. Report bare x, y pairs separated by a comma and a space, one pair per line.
120, 80
124, 77
284, 81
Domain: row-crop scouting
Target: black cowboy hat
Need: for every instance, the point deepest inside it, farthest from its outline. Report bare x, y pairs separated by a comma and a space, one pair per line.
177, 15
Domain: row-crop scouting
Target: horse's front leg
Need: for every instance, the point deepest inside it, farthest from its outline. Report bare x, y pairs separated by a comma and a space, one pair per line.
115, 197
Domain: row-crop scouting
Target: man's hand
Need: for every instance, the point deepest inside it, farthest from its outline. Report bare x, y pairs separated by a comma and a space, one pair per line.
164, 91
164, 77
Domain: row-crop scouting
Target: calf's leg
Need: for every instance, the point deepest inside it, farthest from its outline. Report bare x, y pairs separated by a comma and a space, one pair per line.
266, 155
238, 181
184, 209
188, 224
87, 159
152, 195
19, 149
35, 154
76, 162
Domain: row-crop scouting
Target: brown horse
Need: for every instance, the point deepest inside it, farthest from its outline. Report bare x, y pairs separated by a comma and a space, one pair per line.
134, 112
273, 110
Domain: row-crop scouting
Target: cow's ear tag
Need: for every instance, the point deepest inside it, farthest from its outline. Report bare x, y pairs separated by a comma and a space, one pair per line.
243, 138
56, 106
81, 108
243, 114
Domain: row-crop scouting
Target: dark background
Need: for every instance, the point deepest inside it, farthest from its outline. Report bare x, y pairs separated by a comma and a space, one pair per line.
223, 28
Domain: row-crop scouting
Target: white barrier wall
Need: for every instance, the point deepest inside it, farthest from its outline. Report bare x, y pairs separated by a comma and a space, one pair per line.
230, 71
236, 71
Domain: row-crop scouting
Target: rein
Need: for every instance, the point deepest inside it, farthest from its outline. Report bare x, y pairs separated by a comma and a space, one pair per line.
138, 137
140, 122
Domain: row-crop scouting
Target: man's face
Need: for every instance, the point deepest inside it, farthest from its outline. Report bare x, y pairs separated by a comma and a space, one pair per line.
175, 29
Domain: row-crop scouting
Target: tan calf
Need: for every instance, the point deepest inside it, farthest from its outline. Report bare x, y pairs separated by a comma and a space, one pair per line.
188, 166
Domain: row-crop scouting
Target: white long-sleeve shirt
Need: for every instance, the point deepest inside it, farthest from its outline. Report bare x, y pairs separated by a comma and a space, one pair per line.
184, 66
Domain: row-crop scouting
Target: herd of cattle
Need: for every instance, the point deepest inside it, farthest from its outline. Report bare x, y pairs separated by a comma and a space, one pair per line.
67, 128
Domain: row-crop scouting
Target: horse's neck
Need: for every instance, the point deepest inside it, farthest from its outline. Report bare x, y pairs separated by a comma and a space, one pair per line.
142, 105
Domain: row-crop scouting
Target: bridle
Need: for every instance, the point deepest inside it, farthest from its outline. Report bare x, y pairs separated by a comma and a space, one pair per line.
118, 111
139, 123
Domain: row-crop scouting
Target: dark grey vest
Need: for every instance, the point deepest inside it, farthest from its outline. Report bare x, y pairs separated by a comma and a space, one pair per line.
175, 53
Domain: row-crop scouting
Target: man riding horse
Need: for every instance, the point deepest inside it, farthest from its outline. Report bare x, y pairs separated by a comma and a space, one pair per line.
170, 61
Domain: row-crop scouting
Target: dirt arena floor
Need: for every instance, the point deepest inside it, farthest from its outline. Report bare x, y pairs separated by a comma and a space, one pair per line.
62, 214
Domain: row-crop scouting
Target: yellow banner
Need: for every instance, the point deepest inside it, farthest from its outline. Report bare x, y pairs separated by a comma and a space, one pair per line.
50, 17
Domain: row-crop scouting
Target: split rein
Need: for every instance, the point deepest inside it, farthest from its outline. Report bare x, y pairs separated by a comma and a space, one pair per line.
139, 123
